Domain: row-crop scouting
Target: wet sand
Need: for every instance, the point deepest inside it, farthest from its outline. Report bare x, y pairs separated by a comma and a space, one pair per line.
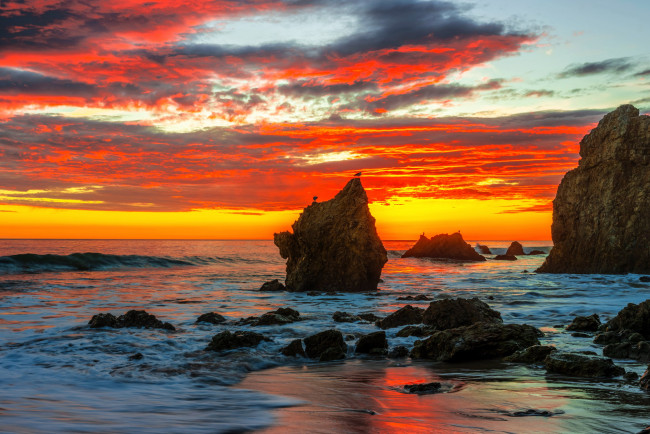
362, 396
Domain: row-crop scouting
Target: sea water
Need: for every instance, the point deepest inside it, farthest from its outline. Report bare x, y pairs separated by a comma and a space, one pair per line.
58, 375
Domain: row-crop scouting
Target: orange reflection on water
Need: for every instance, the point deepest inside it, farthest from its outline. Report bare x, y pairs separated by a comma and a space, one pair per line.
363, 396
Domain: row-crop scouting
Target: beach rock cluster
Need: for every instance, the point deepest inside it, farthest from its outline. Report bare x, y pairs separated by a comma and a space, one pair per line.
627, 335
600, 212
334, 245
443, 246
132, 318
283, 315
479, 341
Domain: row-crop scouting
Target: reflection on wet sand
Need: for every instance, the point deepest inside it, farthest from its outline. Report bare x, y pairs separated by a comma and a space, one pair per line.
367, 396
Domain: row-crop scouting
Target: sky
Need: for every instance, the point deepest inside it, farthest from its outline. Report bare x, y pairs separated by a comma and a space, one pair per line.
222, 119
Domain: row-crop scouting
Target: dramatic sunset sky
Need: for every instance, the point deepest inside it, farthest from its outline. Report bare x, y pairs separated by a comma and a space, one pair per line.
221, 119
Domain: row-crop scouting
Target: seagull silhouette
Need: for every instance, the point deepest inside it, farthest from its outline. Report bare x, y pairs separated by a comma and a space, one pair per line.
357, 174
315, 197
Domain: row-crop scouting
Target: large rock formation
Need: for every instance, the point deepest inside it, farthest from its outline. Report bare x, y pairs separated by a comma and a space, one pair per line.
443, 246
601, 212
334, 245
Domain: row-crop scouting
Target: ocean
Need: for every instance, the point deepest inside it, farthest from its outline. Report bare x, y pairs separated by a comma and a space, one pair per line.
59, 375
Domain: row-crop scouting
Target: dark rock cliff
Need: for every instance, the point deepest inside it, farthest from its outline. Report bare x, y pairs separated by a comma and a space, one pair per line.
601, 213
334, 245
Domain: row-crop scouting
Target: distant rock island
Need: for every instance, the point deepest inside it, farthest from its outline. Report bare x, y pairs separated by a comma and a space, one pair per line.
443, 246
334, 245
601, 214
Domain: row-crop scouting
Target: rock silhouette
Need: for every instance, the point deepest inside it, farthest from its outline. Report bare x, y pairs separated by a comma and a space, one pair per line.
515, 249
600, 213
334, 245
443, 246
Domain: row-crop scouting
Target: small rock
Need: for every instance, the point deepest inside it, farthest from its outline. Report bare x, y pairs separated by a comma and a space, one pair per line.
536, 252
420, 297
373, 343
423, 388
534, 412
228, 341
273, 286
515, 249
294, 349
326, 345
350, 337
580, 335
534, 354
484, 249
585, 323
369, 317
103, 320
644, 279
136, 356
339, 316
281, 316
631, 376
505, 258
629, 350
417, 331
406, 315
581, 365
457, 312
212, 318
398, 352
132, 318
611, 337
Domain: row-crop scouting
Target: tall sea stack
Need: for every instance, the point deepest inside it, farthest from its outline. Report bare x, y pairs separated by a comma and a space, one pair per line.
334, 245
601, 213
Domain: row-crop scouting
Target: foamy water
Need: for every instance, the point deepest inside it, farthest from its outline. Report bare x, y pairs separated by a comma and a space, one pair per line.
58, 375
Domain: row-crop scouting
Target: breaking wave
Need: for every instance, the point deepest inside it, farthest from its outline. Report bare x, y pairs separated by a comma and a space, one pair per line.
33, 263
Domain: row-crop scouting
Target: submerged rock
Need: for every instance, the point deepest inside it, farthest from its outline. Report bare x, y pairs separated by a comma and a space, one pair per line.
600, 212
334, 245
515, 249
212, 318
423, 388
585, 323
537, 252
581, 365
533, 412
443, 246
478, 341
505, 258
534, 354
339, 316
644, 279
294, 349
273, 286
420, 297
484, 249
326, 345
373, 343
457, 312
228, 341
406, 315
132, 318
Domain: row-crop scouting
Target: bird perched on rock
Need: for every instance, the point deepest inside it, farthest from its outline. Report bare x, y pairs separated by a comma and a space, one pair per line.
315, 197
357, 174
